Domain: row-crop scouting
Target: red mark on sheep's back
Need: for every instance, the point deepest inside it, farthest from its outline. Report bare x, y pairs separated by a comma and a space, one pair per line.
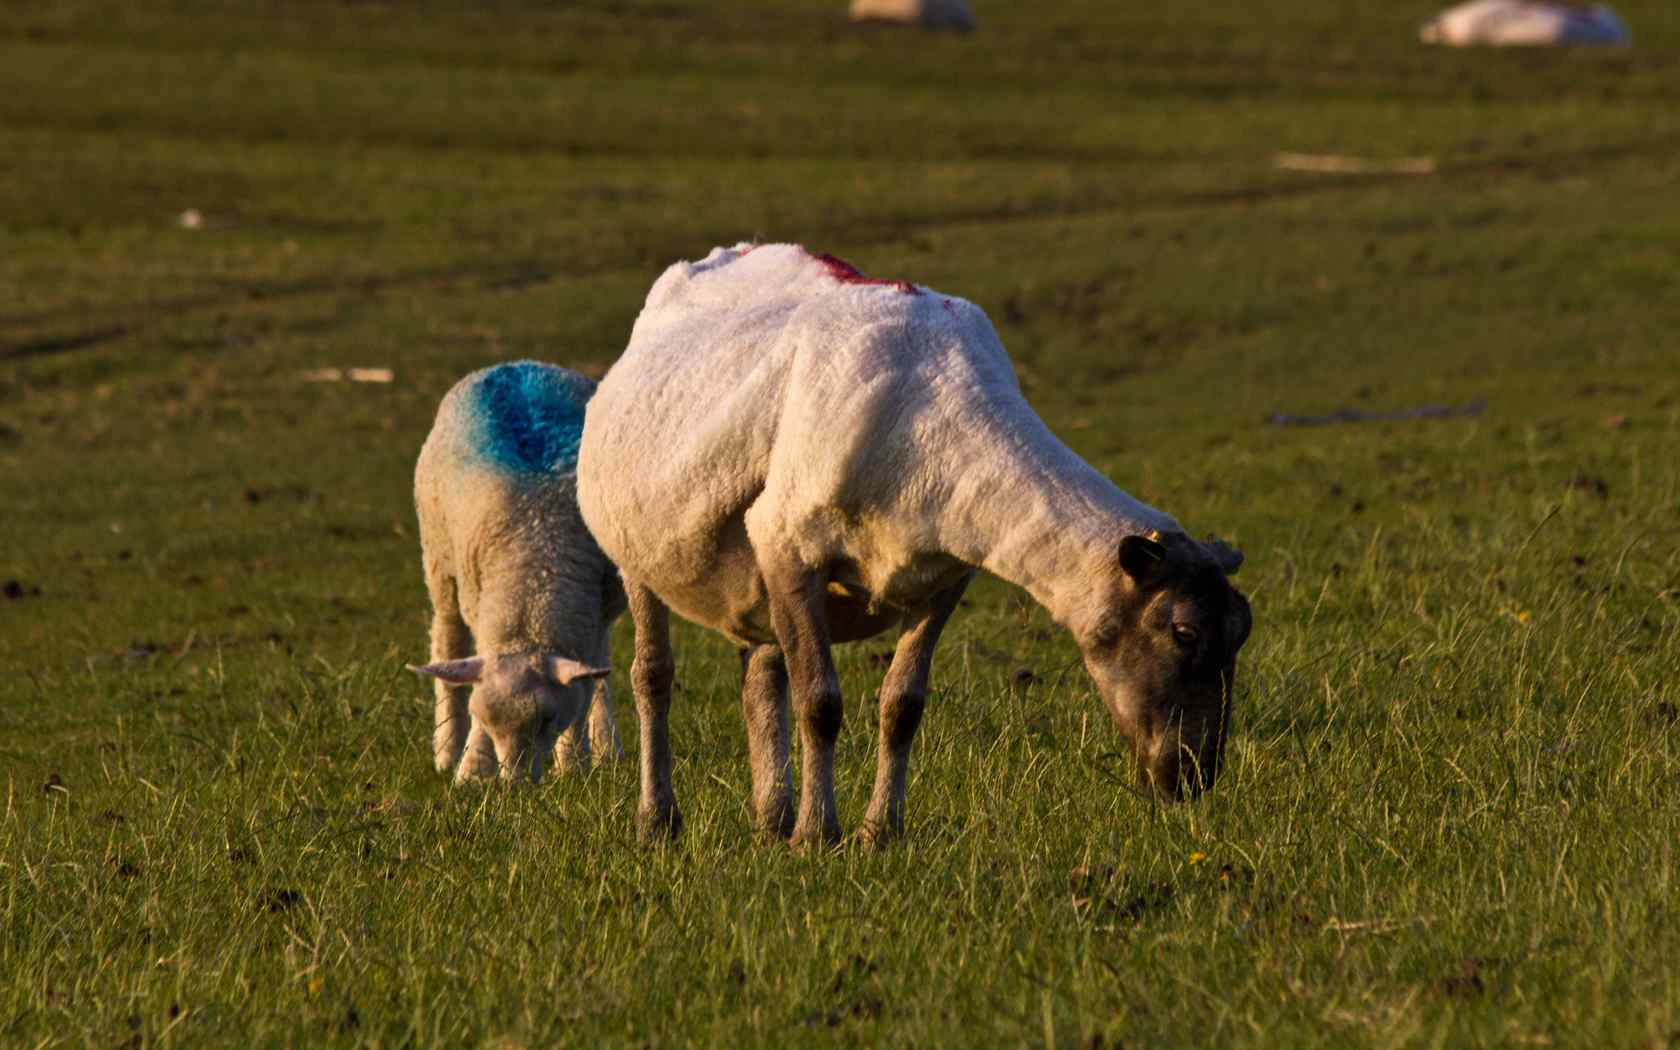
846, 273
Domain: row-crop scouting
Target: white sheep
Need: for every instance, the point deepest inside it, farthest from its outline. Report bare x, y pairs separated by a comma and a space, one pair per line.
1524, 23
794, 455
929, 14
512, 571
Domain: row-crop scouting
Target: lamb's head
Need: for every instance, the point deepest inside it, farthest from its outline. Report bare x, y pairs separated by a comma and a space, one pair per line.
1163, 652
522, 700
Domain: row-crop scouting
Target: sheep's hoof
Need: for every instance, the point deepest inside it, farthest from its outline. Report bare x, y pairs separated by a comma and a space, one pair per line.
774, 821
446, 754
475, 775
807, 840
659, 824
477, 765
877, 834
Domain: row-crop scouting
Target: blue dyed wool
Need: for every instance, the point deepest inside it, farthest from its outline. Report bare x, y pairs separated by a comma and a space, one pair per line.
527, 417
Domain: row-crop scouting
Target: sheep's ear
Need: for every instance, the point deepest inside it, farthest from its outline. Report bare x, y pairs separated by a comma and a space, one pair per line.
455, 672
1227, 557
1143, 557
564, 671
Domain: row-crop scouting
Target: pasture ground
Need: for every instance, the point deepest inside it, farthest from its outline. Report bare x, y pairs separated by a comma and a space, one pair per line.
1453, 804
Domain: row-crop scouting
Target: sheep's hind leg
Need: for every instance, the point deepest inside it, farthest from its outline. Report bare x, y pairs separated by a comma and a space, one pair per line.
903, 695
764, 686
799, 615
651, 672
451, 640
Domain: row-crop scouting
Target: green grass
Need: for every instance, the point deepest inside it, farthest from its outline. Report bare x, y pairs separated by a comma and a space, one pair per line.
1453, 804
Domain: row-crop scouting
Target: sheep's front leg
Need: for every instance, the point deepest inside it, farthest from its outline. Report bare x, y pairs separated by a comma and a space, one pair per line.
799, 616
650, 676
903, 695
764, 684
594, 734
572, 752
478, 756
451, 640
603, 729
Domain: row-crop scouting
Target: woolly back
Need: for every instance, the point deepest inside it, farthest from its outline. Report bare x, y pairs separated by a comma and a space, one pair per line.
525, 416
755, 284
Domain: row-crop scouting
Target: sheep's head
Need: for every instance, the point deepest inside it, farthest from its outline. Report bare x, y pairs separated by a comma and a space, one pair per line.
1164, 655
523, 701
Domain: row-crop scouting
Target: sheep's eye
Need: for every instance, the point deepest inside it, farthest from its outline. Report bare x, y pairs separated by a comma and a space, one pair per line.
1185, 635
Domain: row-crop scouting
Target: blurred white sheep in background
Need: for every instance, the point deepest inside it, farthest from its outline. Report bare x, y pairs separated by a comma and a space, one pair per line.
929, 14
1524, 23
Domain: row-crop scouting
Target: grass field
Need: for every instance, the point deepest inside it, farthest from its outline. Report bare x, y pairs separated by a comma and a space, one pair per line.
1453, 802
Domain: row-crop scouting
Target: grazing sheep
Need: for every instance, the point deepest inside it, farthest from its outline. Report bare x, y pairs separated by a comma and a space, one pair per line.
795, 455
511, 568
1524, 23
929, 14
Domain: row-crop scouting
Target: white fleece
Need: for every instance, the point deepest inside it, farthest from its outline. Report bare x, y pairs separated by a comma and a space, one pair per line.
775, 400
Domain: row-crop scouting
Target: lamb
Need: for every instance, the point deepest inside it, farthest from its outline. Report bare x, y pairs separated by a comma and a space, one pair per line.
794, 455
511, 569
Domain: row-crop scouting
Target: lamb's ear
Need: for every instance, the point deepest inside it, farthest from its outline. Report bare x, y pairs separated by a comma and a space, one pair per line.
1227, 557
455, 672
1143, 558
564, 670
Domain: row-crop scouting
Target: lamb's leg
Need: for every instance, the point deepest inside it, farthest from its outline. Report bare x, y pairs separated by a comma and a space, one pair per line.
799, 616
451, 640
572, 751
603, 730
764, 686
478, 758
594, 734
600, 726
650, 676
903, 694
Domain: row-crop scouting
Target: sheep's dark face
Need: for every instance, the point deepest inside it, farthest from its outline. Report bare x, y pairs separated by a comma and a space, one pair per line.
1164, 656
